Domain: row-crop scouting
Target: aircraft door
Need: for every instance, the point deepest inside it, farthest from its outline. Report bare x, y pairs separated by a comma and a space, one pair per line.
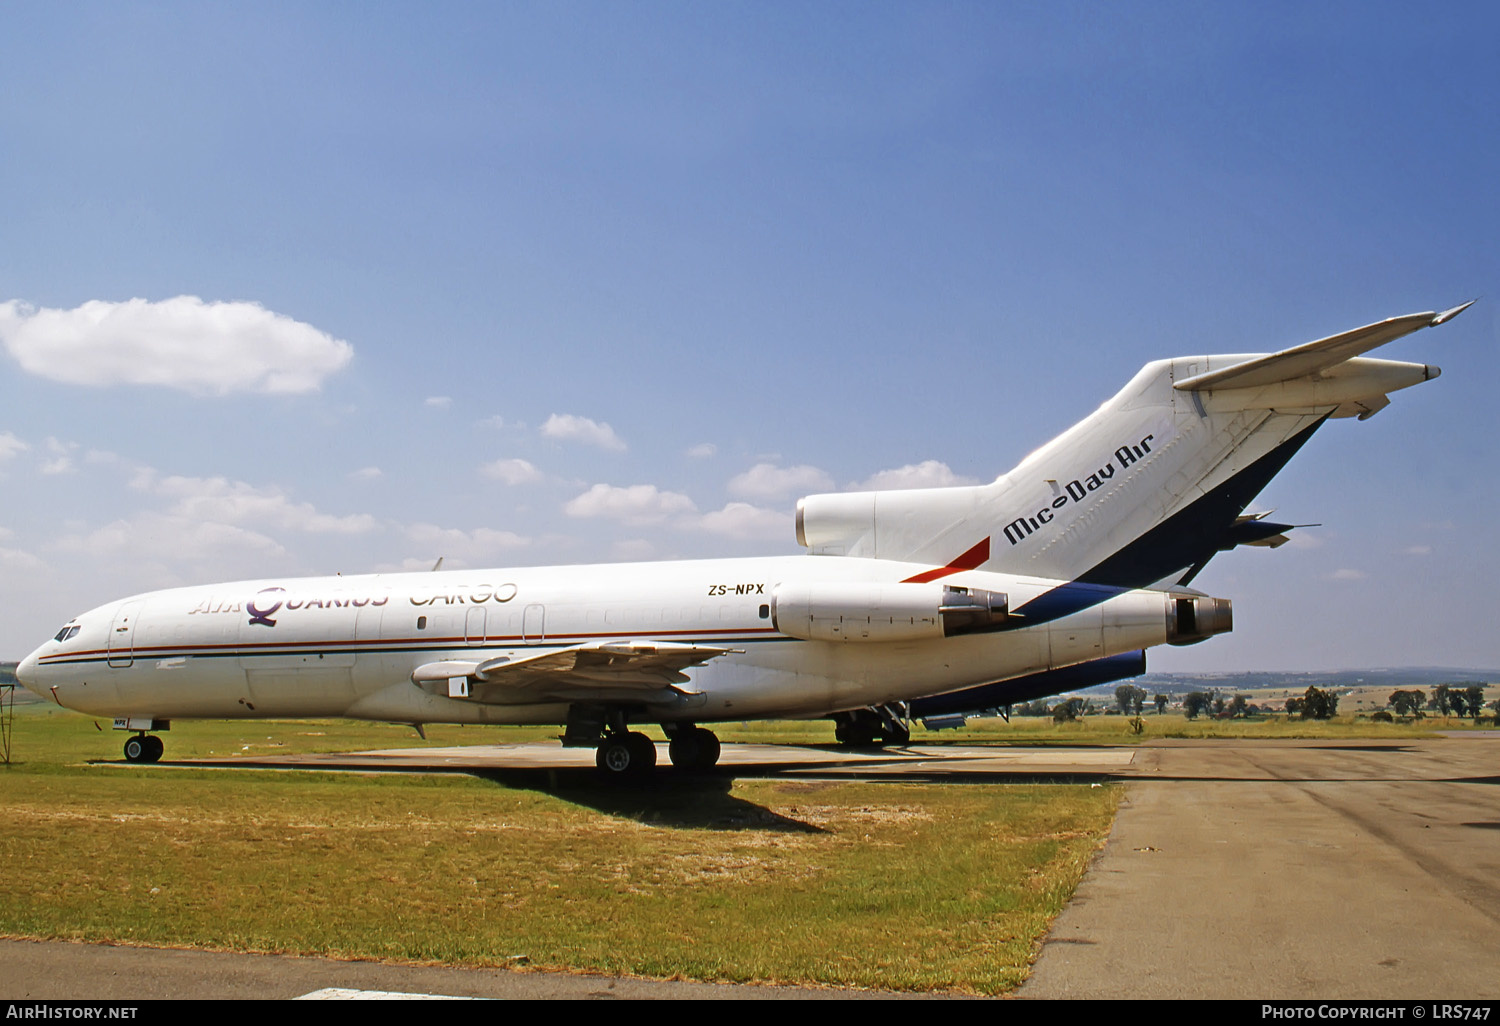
122, 635
534, 624
474, 625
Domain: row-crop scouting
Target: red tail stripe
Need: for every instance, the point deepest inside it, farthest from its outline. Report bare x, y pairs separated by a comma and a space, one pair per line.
975, 557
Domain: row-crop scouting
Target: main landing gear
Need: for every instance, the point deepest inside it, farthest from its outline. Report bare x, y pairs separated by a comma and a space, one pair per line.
624, 754
872, 728
144, 748
632, 755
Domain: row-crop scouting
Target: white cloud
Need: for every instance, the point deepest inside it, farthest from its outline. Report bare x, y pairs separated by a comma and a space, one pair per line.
927, 474
632, 550
62, 457
569, 428
16, 561
1418, 550
10, 445
174, 541
1347, 575
367, 474
703, 451
637, 504
512, 472
768, 481
203, 348
461, 547
219, 500
742, 520
438, 402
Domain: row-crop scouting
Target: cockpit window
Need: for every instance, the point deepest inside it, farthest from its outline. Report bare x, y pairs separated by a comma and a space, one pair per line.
66, 633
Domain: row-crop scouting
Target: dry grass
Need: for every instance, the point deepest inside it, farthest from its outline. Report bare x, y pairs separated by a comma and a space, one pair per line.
875, 885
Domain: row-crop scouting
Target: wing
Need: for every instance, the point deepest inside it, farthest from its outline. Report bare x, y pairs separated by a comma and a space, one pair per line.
593, 671
1313, 357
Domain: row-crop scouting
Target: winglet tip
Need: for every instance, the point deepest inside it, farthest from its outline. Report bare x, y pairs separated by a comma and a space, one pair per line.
1448, 315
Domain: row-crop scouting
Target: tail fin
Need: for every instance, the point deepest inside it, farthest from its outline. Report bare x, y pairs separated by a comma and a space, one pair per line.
1149, 486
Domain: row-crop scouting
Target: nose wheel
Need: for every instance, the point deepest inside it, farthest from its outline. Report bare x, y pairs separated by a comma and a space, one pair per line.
144, 748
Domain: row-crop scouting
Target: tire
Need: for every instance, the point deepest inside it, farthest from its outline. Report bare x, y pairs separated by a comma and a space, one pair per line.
694, 749
683, 749
155, 746
136, 749
644, 751
708, 749
626, 756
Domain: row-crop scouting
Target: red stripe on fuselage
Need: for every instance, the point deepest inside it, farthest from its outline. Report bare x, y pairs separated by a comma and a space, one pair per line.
971, 560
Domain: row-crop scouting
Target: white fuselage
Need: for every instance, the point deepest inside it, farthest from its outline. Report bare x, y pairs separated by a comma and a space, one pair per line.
347, 646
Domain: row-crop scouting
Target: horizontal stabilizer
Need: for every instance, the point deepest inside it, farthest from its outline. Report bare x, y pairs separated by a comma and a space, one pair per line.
1314, 357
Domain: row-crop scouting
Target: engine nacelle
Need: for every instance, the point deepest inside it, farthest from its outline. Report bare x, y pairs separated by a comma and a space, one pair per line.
884, 612
1196, 618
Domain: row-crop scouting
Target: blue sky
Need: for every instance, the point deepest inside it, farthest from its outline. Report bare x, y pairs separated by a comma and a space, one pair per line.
557, 282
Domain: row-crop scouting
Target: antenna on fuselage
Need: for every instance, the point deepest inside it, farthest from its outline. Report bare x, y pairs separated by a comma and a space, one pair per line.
438, 565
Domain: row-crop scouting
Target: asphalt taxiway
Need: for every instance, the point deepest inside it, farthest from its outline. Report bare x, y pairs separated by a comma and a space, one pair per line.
1235, 869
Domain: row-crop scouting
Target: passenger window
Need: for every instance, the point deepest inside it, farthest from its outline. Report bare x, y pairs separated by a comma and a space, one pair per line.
421, 623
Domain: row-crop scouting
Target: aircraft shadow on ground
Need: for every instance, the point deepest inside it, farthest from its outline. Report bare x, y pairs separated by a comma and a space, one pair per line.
700, 801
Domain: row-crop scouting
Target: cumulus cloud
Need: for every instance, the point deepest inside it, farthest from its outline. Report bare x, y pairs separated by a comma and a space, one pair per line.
632, 550
927, 474
10, 445
367, 474
174, 541
202, 348
17, 561
62, 457
742, 520
703, 451
570, 428
768, 481
438, 402
512, 472
222, 501
636, 504
462, 547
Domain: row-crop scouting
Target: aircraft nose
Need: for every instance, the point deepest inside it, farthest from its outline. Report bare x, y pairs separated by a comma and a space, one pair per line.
27, 675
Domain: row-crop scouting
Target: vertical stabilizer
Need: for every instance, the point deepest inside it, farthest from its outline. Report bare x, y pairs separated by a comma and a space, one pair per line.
1146, 488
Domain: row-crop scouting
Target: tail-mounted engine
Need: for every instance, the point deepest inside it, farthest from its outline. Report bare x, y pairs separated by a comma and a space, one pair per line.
1191, 619
884, 612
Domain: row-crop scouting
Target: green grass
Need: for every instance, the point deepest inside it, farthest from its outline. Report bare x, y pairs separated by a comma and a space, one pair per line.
886, 885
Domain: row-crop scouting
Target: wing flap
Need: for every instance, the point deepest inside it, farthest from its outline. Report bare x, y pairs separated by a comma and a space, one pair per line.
1314, 357
600, 669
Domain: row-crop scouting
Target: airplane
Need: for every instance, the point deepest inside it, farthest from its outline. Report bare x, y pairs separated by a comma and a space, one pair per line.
1064, 570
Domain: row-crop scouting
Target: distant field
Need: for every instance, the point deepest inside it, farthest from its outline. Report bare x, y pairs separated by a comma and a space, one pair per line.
894, 886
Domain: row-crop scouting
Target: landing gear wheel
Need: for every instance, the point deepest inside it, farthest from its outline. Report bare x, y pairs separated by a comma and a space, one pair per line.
694, 749
899, 736
858, 734
136, 749
626, 756
154, 747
